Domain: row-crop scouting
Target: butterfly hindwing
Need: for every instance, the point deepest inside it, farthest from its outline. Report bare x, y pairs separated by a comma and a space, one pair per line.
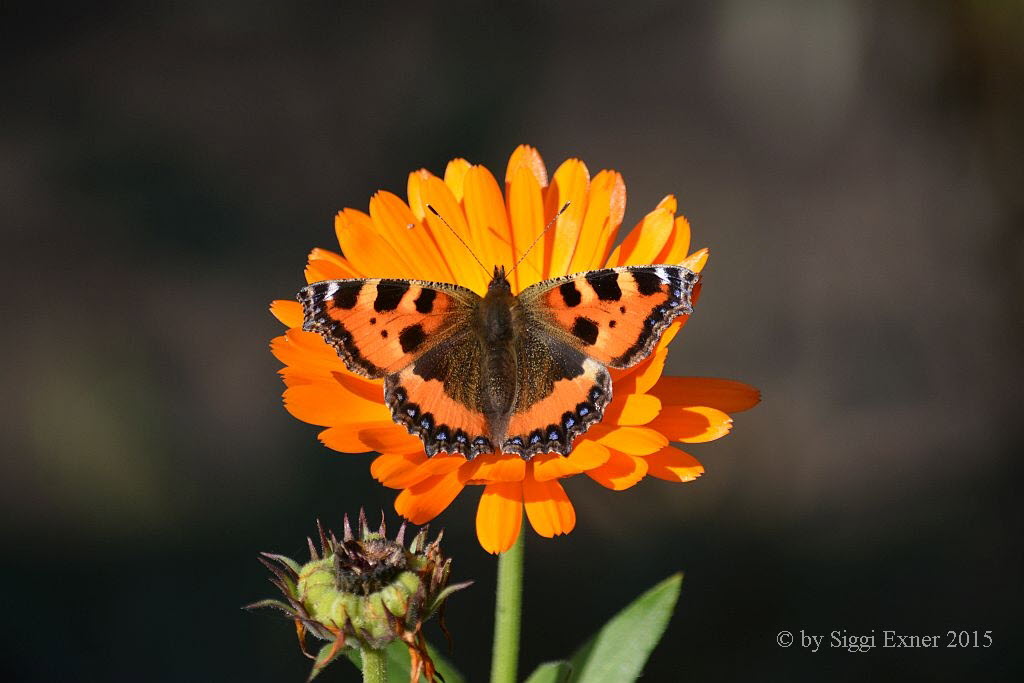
561, 393
379, 326
613, 315
437, 398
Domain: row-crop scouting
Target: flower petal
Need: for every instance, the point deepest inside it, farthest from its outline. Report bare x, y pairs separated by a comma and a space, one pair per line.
492, 468
345, 439
318, 271
526, 214
547, 507
585, 455
426, 468
641, 377
326, 265
391, 438
571, 183
499, 516
645, 242
620, 472
455, 174
727, 395
632, 440
421, 503
485, 213
369, 389
288, 312
632, 409
321, 254
363, 247
696, 261
425, 188
306, 349
293, 377
606, 205
529, 158
391, 469
693, 424
672, 464
418, 249
669, 203
678, 245
327, 405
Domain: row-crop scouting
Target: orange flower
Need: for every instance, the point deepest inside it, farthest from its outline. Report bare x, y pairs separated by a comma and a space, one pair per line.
397, 239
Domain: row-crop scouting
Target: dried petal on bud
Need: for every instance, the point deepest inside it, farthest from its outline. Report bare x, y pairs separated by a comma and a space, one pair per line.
364, 591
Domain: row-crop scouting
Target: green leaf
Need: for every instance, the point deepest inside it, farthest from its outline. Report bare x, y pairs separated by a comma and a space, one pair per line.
287, 561
620, 649
399, 664
443, 595
551, 672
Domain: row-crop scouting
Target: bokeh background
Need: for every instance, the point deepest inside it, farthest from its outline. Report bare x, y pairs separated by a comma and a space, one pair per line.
856, 168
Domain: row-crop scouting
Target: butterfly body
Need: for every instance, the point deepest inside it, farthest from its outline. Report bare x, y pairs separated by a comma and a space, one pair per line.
498, 328
521, 374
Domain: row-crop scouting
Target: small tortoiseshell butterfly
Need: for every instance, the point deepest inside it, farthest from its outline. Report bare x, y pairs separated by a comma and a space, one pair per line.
526, 373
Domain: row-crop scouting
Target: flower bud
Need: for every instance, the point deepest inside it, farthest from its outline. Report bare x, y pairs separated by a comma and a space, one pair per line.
364, 591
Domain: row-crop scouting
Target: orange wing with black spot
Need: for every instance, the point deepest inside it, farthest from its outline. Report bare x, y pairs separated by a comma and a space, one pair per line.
418, 336
561, 394
573, 327
381, 326
614, 315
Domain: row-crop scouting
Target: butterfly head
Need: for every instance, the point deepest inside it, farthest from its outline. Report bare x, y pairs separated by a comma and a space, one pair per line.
499, 281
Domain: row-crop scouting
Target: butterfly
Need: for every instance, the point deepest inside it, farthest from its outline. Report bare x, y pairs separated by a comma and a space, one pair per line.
524, 373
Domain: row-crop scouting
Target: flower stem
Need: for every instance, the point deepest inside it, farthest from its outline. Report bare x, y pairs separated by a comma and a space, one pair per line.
508, 614
375, 666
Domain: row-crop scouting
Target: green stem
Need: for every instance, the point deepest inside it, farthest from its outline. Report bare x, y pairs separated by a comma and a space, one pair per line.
375, 666
508, 614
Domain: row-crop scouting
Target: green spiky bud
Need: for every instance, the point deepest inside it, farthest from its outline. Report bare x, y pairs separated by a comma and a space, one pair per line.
363, 591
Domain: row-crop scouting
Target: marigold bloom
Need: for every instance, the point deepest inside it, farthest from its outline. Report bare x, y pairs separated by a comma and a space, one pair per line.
396, 239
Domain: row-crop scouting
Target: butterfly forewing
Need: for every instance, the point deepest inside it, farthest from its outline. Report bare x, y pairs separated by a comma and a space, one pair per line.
379, 326
614, 315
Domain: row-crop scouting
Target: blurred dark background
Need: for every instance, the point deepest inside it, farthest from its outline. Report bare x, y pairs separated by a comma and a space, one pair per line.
856, 168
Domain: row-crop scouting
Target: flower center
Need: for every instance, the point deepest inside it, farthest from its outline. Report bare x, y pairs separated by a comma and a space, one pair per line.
367, 566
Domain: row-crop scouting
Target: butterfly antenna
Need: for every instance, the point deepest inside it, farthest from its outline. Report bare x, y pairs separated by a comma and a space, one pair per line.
434, 211
538, 238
